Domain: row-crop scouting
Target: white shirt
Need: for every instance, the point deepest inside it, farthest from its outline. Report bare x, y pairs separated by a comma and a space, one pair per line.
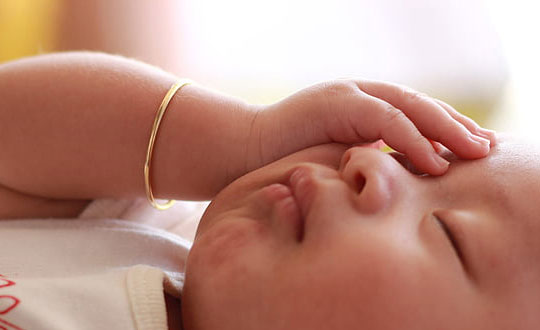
87, 274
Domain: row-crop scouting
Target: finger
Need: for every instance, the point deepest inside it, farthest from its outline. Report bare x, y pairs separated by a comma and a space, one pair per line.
470, 124
439, 148
431, 119
390, 124
406, 163
379, 144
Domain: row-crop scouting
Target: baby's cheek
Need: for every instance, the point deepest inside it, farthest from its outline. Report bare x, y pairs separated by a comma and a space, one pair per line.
225, 269
229, 244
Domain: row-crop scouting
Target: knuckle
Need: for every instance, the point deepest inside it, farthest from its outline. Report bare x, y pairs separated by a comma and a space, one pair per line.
449, 127
394, 115
419, 138
414, 96
337, 94
339, 87
417, 144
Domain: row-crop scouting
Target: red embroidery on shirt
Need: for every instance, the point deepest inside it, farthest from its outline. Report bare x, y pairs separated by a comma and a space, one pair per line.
13, 326
5, 282
7, 303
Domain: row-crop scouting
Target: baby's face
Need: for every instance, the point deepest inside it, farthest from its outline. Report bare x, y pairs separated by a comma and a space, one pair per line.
334, 239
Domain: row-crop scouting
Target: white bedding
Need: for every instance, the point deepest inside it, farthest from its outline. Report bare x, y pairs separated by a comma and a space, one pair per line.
181, 219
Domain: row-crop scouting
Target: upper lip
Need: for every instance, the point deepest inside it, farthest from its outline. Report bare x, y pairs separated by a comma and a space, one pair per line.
302, 181
293, 185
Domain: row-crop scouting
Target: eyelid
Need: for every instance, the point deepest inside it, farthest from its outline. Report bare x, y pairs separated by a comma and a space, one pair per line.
451, 237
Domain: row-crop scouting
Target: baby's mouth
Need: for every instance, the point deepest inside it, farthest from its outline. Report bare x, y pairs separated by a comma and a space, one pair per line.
286, 214
302, 183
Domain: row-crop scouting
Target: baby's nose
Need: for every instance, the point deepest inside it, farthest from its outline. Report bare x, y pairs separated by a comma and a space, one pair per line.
374, 175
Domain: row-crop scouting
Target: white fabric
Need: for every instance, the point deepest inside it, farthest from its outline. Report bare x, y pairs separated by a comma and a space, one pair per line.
182, 218
88, 273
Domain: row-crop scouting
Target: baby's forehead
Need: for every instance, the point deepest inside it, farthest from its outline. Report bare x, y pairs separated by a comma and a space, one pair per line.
514, 160
517, 152
514, 165
506, 182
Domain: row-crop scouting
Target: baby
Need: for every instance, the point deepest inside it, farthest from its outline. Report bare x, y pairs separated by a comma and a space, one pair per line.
329, 237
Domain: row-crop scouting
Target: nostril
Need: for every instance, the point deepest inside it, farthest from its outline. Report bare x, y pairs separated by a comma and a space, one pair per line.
360, 181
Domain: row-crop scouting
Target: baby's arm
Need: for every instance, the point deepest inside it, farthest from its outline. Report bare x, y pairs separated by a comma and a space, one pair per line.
77, 125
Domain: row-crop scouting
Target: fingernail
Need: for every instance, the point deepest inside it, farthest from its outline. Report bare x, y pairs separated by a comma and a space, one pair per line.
480, 140
487, 130
482, 134
488, 134
441, 162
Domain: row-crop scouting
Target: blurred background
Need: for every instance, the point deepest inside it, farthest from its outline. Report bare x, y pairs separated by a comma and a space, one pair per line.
478, 55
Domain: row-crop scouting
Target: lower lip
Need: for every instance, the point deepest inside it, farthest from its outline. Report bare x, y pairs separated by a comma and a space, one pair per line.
276, 192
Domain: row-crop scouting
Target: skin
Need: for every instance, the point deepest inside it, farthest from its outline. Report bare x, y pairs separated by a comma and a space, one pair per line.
330, 238
68, 114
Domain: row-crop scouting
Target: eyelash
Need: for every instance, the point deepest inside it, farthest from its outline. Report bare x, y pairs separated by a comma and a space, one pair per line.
450, 236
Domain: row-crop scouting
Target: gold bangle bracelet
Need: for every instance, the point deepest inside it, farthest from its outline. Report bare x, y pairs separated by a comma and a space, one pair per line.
155, 127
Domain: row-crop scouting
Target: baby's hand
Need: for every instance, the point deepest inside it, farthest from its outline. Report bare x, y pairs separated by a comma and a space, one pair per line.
360, 111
